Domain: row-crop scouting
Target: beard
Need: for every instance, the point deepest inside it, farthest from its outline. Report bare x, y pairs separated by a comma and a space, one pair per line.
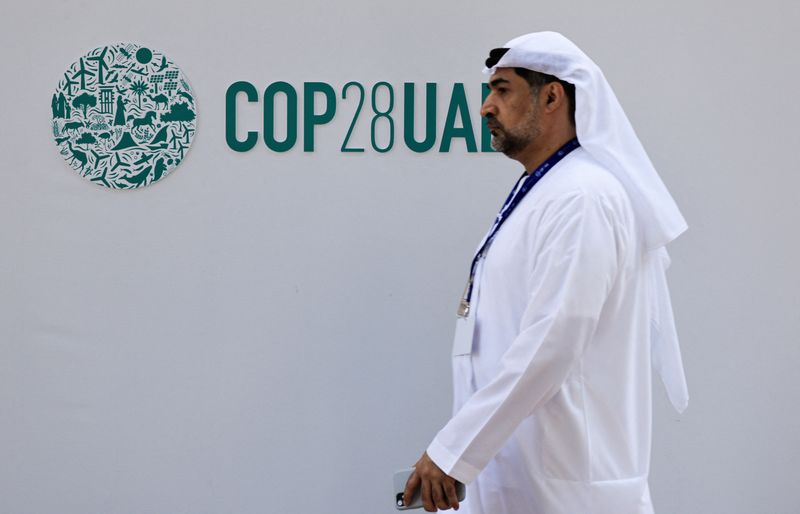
511, 141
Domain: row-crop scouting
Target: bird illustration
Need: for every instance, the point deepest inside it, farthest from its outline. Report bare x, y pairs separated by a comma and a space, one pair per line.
144, 158
163, 64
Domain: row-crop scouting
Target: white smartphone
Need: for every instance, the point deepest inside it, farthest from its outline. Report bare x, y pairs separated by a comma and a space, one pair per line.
400, 479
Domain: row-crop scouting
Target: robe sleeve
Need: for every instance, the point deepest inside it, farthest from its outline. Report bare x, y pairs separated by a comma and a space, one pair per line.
575, 264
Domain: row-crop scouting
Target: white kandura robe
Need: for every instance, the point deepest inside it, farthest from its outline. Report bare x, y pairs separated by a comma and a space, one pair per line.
552, 409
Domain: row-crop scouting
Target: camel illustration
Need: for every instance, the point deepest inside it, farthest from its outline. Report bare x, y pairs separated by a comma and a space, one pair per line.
159, 99
144, 121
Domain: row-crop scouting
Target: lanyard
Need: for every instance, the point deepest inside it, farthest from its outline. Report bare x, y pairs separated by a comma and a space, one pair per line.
514, 198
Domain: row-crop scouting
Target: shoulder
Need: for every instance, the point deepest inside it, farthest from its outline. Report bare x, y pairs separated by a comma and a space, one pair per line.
582, 192
580, 175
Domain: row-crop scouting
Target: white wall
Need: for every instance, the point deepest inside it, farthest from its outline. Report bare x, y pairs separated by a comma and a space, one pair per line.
266, 332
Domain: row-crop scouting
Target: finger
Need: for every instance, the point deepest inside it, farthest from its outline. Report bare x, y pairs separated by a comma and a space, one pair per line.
438, 496
411, 485
452, 495
427, 502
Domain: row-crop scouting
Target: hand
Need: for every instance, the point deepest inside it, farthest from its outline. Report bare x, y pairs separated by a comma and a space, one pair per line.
438, 489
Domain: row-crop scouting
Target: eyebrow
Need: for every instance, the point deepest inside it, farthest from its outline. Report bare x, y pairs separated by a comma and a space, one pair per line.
496, 82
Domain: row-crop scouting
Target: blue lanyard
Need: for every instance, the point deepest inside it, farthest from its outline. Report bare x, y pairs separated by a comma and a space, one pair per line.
514, 198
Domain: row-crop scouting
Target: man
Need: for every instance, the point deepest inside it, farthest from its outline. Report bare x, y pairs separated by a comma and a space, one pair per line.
566, 306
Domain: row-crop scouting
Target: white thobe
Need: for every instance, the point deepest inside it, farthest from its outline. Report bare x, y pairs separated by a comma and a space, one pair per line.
552, 409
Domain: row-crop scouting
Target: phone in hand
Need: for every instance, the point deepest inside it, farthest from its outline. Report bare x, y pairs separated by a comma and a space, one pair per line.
400, 480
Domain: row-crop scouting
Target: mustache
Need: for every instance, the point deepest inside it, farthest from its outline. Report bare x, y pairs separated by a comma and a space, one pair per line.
492, 123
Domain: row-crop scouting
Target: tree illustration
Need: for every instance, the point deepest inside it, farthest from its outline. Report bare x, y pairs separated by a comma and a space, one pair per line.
139, 87
84, 101
86, 139
179, 112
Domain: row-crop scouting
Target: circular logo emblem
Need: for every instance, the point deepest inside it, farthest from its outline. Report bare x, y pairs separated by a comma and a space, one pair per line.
123, 116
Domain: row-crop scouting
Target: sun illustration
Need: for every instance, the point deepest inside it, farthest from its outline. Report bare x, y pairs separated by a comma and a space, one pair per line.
144, 55
124, 116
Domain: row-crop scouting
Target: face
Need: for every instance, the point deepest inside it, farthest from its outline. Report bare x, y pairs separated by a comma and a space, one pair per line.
511, 113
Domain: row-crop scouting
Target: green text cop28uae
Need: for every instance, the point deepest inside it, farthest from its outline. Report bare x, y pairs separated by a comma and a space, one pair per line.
374, 106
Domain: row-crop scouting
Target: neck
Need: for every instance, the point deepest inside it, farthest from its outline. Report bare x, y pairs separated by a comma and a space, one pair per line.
539, 150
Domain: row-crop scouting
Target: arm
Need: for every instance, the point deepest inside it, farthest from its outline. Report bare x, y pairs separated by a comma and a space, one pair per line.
575, 266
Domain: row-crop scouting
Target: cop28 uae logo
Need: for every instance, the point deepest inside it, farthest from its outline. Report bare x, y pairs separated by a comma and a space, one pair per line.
123, 116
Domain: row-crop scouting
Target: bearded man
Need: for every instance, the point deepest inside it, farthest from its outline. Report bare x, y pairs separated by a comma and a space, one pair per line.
566, 307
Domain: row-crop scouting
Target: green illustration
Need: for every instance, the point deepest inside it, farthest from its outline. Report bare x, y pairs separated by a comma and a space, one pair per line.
123, 116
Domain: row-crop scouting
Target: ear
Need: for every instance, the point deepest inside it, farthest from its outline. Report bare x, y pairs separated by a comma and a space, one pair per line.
554, 96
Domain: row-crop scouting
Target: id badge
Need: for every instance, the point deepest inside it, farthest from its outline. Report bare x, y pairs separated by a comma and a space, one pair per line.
465, 331
465, 326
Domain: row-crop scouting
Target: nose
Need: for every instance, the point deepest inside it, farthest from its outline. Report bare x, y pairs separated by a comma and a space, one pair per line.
488, 108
